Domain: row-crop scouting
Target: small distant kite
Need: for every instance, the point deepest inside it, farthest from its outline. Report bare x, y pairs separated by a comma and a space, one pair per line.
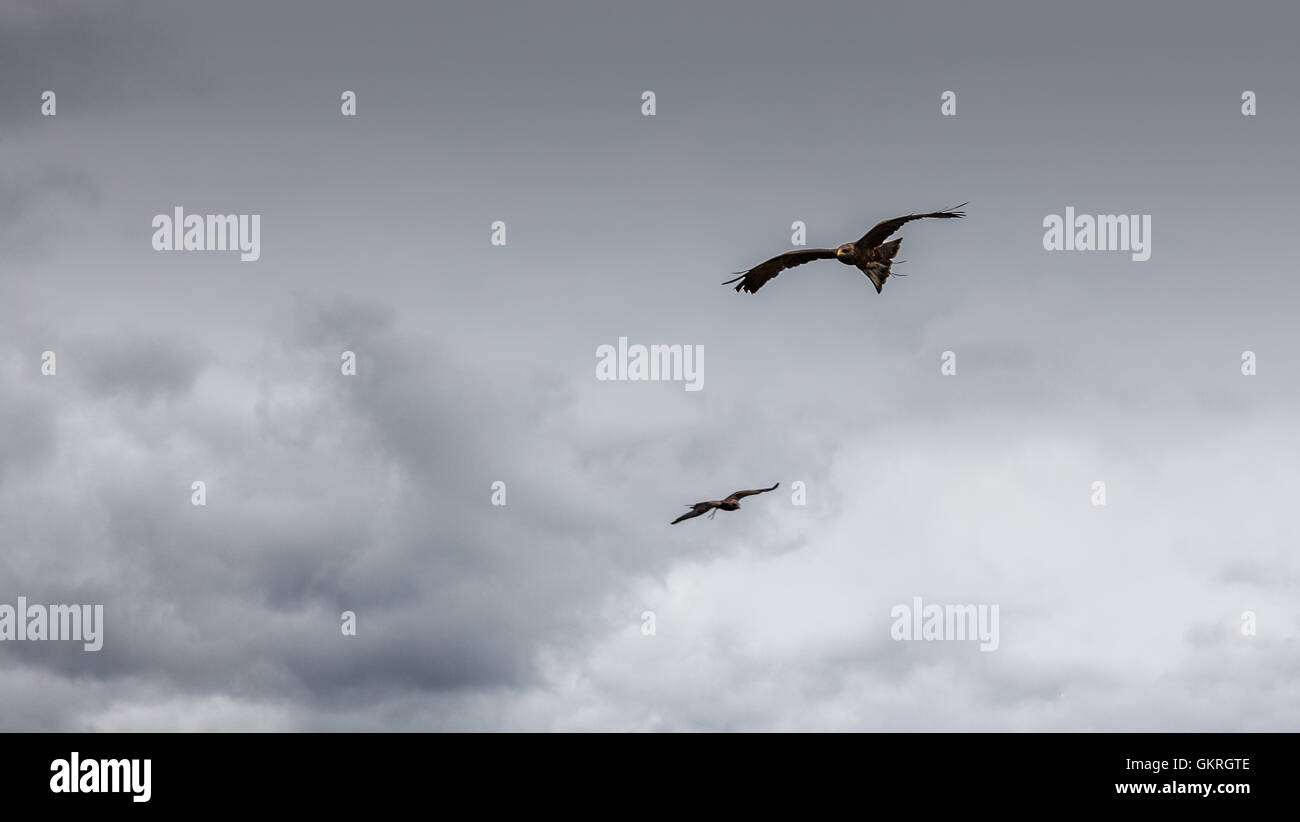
870, 254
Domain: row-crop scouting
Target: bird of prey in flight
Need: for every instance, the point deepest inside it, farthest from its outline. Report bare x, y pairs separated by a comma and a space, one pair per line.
731, 503
871, 254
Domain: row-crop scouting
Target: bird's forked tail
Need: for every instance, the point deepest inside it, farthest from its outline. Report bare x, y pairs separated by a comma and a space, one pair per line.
878, 266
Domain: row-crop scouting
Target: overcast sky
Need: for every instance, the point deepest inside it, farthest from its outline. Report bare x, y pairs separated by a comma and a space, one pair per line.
476, 364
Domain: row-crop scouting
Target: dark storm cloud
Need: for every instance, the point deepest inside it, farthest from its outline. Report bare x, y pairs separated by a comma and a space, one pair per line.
451, 593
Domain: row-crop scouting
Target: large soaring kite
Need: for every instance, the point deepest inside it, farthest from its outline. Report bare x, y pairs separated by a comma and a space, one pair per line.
870, 254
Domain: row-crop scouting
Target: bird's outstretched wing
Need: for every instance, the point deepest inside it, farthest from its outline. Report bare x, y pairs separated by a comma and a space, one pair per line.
738, 495
881, 231
696, 510
753, 279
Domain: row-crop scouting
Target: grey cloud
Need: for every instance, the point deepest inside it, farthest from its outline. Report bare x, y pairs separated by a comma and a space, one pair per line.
141, 368
475, 364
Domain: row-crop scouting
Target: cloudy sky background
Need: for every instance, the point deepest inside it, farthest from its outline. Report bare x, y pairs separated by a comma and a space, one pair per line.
477, 364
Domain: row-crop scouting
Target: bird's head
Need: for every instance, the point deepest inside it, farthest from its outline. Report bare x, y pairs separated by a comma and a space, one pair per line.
843, 251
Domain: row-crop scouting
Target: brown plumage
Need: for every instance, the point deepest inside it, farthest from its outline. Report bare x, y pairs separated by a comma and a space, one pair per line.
731, 503
870, 254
